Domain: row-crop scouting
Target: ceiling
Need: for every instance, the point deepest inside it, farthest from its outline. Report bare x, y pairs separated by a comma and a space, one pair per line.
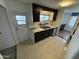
48, 3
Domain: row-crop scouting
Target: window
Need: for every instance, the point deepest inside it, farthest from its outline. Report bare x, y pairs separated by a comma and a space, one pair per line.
44, 17
21, 19
72, 21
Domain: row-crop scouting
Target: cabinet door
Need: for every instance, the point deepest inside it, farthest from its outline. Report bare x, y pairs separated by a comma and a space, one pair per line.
36, 13
51, 32
41, 35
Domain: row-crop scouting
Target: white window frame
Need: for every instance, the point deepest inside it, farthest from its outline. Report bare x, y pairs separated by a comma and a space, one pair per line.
45, 15
20, 20
20, 13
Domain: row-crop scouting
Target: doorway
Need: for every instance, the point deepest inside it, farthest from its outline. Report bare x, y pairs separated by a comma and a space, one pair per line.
20, 24
67, 26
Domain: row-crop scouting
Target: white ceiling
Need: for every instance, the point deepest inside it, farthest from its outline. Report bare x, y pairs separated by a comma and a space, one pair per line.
48, 3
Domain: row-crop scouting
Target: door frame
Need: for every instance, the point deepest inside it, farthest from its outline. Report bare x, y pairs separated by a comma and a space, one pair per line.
13, 23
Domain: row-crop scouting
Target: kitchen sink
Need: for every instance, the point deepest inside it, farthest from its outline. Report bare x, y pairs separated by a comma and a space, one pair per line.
45, 27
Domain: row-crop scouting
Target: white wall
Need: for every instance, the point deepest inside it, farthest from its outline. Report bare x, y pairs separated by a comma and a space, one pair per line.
60, 16
6, 38
31, 23
66, 18
2, 3
15, 6
74, 8
59, 19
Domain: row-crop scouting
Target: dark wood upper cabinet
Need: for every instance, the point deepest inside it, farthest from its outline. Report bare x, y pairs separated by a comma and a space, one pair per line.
36, 12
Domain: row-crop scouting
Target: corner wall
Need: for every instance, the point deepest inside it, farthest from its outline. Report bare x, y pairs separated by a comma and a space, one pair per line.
2, 3
59, 19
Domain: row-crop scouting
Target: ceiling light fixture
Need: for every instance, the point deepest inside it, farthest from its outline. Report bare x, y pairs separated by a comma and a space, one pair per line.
66, 3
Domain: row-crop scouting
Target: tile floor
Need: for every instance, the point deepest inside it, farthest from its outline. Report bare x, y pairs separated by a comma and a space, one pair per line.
9, 53
64, 34
50, 48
